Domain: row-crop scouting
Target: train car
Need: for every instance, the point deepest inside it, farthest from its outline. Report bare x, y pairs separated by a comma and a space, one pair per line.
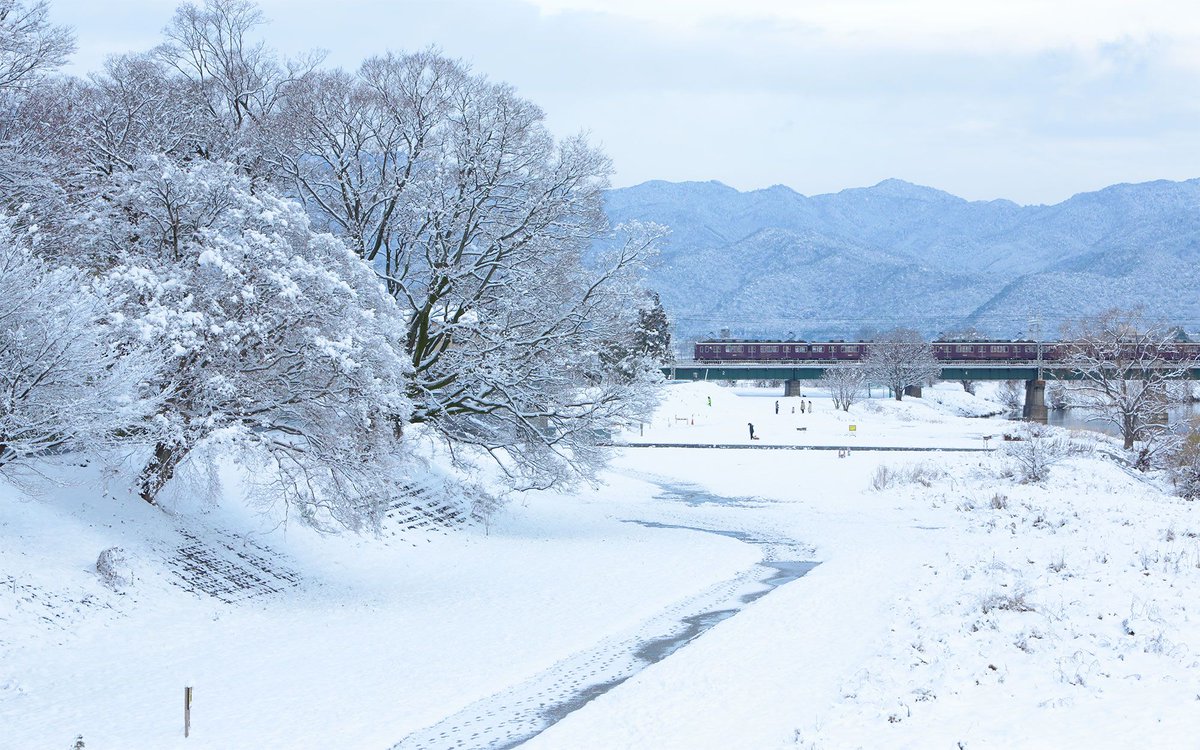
985, 351
717, 351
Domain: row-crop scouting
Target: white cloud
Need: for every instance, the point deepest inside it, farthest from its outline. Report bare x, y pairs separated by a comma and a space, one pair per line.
1030, 100
934, 26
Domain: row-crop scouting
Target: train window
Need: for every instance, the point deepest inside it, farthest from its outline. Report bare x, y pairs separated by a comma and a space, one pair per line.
769, 349
818, 348
963, 348
736, 349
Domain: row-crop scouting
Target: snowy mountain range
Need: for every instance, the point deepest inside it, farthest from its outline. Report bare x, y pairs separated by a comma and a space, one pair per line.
775, 262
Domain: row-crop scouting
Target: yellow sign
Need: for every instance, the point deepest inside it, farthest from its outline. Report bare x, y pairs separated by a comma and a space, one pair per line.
853, 428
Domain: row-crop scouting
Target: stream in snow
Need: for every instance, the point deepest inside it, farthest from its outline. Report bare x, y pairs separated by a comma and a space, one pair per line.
1083, 419
521, 712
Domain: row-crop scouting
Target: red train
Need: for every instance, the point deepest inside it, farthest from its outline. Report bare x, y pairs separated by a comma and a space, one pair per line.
718, 351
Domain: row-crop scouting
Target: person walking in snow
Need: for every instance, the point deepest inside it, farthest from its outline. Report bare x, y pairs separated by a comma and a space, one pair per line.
801, 406
751, 425
710, 400
776, 407
810, 409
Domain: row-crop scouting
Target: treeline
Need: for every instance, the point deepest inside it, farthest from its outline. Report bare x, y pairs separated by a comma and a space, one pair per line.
205, 245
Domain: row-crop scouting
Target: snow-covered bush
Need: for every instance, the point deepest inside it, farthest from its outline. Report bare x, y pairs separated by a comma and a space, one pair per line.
1036, 448
275, 337
1183, 463
63, 387
924, 474
1011, 394
1058, 396
115, 568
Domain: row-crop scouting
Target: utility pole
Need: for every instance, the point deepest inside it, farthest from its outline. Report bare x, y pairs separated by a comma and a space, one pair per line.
1035, 326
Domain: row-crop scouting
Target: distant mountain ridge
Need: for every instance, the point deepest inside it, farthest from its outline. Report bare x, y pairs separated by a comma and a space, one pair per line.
775, 262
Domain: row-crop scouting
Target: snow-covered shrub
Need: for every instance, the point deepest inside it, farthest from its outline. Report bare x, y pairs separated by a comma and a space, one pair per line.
1011, 394
1037, 448
115, 568
883, 477
63, 385
924, 474
1008, 601
1057, 395
274, 337
1183, 463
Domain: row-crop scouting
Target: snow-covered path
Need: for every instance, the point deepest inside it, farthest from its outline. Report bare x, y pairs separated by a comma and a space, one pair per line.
523, 711
792, 648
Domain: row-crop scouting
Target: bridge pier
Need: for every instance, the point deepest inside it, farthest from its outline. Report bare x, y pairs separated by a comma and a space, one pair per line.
1035, 401
912, 390
791, 388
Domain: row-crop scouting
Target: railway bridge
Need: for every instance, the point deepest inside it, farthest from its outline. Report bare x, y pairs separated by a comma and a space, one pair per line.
792, 373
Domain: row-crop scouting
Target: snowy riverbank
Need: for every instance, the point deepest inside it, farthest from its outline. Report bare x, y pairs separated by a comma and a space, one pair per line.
955, 605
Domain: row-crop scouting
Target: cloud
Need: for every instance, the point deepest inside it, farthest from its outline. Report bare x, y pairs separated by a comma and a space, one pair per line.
1027, 100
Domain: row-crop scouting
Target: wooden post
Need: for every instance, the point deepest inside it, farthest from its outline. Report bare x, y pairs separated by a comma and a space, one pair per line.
187, 711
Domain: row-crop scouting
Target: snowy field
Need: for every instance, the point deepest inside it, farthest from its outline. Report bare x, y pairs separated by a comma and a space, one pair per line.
953, 606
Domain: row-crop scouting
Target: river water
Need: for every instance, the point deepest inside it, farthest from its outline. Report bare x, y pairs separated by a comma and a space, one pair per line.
1084, 419
524, 710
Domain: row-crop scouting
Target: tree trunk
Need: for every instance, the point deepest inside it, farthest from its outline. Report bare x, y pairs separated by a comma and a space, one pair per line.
159, 471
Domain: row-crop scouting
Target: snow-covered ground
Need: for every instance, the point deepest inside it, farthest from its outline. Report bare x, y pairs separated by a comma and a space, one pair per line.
954, 607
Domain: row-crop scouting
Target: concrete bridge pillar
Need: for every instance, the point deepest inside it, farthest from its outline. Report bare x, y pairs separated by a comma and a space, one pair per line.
791, 388
1035, 401
912, 390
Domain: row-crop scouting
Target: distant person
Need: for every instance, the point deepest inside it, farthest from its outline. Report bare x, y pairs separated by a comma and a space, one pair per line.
710, 400
801, 407
751, 425
810, 409
793, 410
776, 407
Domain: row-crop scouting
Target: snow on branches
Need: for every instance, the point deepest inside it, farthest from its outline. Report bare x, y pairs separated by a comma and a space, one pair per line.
63, 385
901, 358
1125, 364
480, 223
273, 335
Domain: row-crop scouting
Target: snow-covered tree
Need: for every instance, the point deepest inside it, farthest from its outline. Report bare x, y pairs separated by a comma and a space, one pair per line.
647, 344
901, 358
846, 384
478, 221
1125, 364
63, 385
235, 82
30, 45
1011, 393
276, 338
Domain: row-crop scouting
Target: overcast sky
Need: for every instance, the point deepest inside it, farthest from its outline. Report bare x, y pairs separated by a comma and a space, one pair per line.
1031, 100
